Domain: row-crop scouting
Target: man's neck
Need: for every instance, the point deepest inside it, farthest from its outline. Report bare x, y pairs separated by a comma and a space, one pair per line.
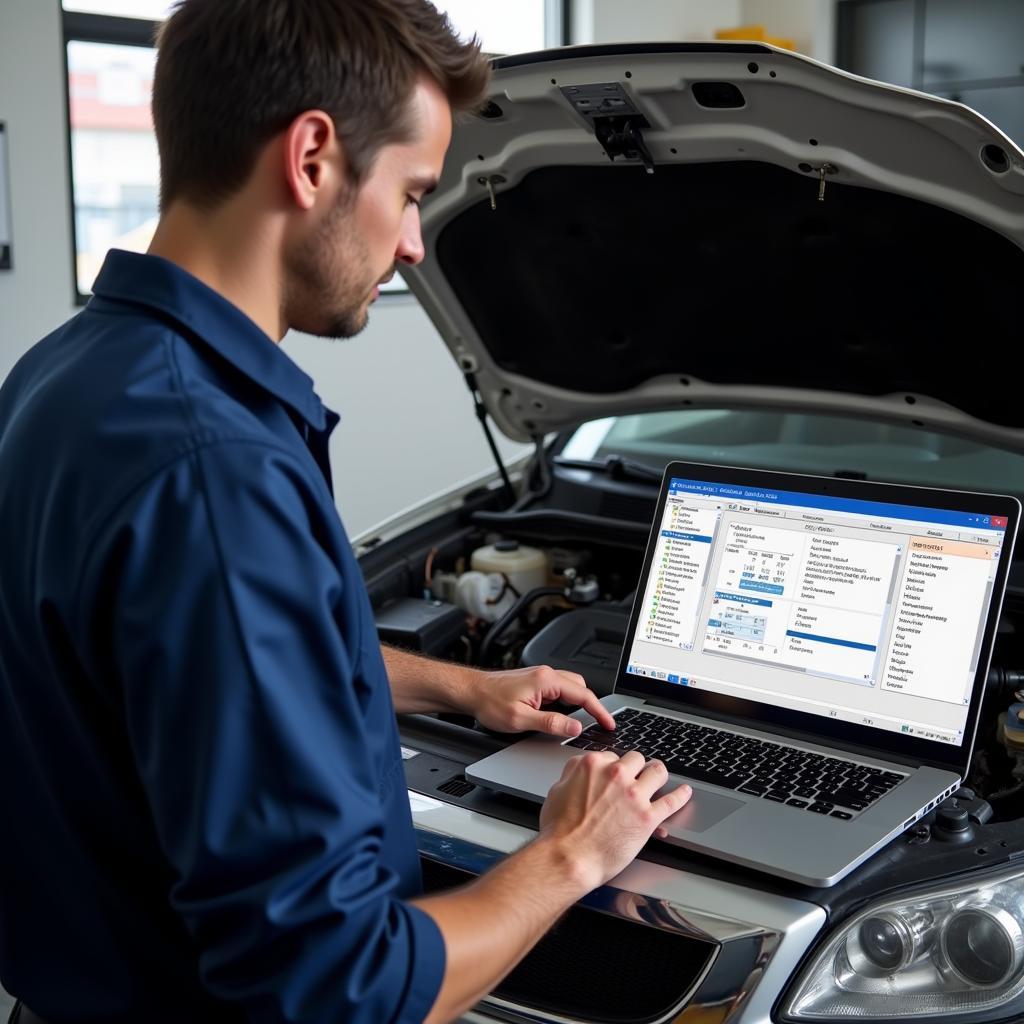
227, 252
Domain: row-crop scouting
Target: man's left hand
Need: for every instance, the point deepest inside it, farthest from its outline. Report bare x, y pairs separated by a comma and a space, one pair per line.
510, 701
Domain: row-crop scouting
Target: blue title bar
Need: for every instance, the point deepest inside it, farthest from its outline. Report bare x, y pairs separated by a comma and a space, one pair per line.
818, 502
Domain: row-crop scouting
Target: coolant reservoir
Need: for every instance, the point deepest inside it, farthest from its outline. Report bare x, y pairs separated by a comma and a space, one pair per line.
524, 567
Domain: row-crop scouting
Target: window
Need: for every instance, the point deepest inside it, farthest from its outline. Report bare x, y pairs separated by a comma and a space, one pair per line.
114, 162
114, 165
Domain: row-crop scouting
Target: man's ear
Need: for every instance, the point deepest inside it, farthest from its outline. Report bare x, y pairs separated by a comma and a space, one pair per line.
311, 157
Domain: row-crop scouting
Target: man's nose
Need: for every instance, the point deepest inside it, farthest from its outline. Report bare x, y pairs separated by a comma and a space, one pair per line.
410, 242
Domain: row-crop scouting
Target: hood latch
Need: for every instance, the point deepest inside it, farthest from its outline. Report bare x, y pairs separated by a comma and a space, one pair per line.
621, 137
614, 118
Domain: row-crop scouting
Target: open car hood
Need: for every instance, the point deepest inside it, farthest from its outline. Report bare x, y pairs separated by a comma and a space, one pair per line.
726, 225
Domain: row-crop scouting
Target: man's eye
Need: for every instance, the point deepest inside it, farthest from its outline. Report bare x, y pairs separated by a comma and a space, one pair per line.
411, 201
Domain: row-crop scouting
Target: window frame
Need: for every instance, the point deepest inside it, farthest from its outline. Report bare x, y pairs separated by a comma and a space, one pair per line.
78, 26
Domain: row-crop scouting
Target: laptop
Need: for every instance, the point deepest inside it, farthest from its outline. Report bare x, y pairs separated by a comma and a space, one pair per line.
808, 653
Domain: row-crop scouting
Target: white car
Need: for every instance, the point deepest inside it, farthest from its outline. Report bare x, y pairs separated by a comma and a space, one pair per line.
720, 253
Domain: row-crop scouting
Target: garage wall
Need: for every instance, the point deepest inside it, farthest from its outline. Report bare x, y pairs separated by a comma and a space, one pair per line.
408, 429
615, 21
810, 23
36, 295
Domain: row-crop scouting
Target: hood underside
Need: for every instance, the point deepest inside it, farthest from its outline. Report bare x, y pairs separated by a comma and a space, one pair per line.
727, 226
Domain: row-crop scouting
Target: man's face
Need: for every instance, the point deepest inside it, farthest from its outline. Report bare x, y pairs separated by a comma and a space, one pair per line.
334, 273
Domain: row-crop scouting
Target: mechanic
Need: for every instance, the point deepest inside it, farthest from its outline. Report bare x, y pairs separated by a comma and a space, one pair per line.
199, 760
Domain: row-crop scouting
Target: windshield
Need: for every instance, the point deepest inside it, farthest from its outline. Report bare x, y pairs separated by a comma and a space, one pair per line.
800, 442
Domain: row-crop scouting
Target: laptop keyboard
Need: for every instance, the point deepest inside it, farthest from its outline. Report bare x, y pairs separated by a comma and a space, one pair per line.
784, 775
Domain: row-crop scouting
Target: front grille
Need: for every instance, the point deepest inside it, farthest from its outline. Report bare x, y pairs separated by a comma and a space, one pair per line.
596, 967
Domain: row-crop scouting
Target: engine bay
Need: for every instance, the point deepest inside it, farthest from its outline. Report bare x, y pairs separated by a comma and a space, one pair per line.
552, 580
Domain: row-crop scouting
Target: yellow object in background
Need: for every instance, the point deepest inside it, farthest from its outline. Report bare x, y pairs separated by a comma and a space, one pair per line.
757, 34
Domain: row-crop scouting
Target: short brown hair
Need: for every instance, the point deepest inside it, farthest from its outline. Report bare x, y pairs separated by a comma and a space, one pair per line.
231, 74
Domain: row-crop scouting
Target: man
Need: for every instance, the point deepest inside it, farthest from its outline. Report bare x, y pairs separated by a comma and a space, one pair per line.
199, 761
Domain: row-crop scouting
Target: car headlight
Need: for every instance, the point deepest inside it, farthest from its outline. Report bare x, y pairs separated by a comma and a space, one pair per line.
935, 953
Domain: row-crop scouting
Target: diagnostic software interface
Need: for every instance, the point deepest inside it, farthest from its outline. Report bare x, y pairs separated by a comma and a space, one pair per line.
860, 611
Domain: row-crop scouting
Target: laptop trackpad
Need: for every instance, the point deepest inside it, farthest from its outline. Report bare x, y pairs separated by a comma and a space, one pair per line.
703, 810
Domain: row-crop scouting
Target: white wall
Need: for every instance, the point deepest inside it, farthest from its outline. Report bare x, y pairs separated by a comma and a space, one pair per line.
810, 23
36, 295
408, 429
650, 20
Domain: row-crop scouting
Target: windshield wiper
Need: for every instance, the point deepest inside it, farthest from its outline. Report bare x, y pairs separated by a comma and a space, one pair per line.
614, 466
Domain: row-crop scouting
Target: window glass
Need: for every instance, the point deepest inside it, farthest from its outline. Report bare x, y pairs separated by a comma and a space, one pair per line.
114, 164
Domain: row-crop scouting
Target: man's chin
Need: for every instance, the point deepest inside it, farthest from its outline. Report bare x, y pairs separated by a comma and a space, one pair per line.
345, 322
348, 325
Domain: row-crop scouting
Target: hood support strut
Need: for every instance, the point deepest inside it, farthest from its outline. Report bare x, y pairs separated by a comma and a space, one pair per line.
481, 415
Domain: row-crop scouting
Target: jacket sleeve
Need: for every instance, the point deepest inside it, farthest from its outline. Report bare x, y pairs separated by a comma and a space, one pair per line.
237, 650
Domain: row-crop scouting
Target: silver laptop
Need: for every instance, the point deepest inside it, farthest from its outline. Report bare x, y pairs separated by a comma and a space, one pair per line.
808, 653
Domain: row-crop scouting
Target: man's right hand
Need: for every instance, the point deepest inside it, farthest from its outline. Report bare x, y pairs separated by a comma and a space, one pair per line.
595, 821
602, 811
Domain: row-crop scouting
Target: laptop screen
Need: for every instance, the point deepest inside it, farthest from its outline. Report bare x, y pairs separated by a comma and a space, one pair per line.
818, 598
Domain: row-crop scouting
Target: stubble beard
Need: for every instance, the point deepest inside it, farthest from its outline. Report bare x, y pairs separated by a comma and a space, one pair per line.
326, 290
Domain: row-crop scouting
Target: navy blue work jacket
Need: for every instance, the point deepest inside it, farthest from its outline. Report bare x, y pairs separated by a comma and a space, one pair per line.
203, 804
